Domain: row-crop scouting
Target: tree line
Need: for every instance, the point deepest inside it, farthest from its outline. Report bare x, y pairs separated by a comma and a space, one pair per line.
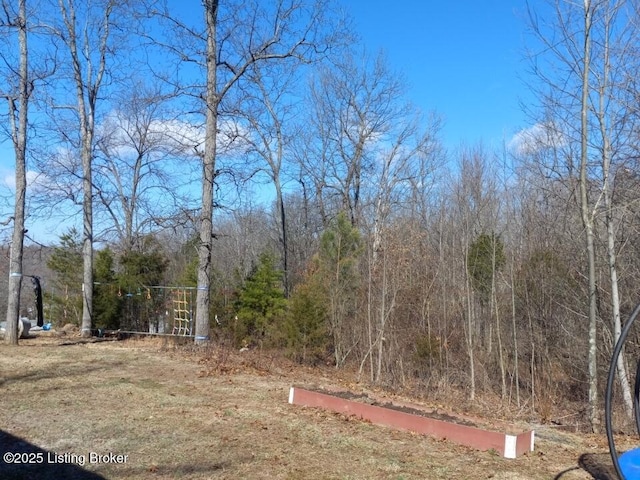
507, 270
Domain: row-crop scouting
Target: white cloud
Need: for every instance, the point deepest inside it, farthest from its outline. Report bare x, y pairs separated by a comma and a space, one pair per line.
189, 138
538, 137
182, 136
34, 179
178, 136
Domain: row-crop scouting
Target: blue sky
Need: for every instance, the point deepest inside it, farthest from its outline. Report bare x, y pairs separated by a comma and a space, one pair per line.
462, 59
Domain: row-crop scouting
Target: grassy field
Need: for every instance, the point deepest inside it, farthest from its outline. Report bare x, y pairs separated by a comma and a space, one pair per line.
149, 410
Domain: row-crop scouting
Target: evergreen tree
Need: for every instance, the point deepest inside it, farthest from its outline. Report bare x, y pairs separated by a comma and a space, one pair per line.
338, 279
307, 335
484, 259
261, 302
106, 302
140, 270
66, 294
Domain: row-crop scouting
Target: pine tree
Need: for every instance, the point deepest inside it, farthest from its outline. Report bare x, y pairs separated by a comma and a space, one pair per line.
139, 270
338, 277
261, 302
66, 294
306, 330
106, 302
485, 258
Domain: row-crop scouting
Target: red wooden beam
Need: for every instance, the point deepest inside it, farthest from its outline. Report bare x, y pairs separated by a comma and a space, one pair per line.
509, 446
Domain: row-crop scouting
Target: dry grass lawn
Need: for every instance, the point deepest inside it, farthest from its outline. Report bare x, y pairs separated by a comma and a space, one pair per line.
176, 412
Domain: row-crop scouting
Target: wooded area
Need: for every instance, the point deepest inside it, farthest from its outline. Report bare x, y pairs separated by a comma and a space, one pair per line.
257, 152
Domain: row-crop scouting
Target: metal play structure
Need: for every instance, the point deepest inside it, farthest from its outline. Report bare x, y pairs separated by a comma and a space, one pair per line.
158, 310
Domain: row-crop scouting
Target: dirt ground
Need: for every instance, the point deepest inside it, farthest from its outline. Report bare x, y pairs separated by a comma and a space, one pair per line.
151, 410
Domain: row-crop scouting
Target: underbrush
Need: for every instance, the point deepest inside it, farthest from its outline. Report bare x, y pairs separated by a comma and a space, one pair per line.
444, 392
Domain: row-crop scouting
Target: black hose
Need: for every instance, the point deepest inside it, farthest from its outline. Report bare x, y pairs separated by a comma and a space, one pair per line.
608, 396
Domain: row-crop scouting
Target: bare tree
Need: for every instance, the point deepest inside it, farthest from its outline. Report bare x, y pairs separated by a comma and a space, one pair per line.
353, 108
17, 95
89, 39
473, 195
405, 156
270, 106
588, 47
615, 120
587, 216
140, 169
237, 37
88, 47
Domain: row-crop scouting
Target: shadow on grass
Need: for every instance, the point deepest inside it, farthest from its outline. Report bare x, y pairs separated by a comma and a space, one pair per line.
41, 464
200, 470
598, 465
65, 369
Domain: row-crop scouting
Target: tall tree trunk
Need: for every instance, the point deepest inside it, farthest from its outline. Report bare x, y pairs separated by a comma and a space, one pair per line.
283, 231
382, 318
470, 329
87, 78
514, 327
623, 377
203, 295
19, 137
532, 364
369, 353
587, 222
496, 309
87, 241
609, 220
